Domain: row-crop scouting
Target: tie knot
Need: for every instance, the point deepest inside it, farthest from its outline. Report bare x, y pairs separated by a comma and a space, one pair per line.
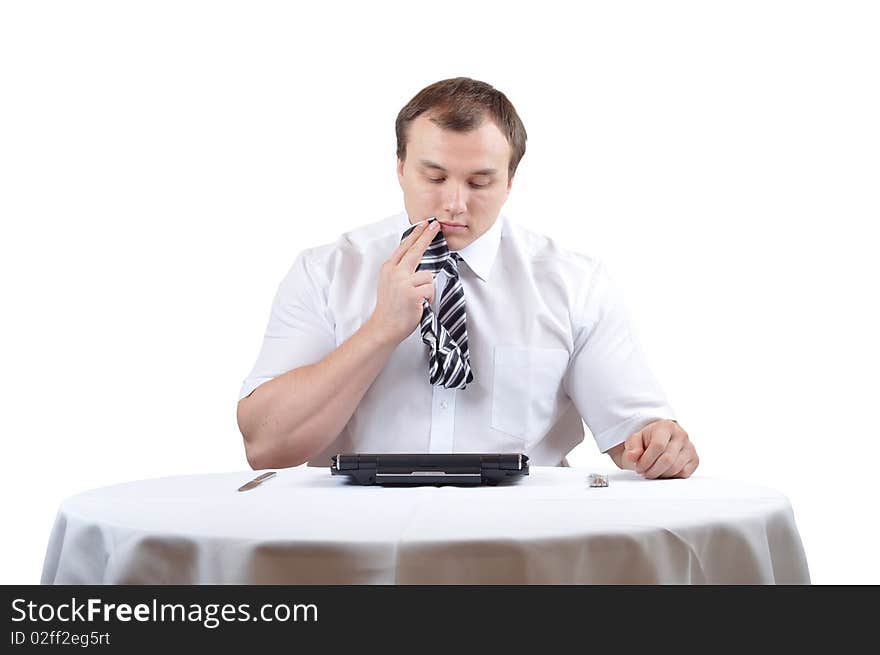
452, 263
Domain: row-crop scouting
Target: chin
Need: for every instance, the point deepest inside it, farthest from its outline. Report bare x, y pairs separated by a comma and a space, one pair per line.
457, 242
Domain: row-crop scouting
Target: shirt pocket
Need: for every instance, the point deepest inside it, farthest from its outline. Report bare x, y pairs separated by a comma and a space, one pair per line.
526, 390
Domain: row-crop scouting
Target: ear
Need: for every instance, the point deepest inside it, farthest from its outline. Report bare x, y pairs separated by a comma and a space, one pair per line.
400, 172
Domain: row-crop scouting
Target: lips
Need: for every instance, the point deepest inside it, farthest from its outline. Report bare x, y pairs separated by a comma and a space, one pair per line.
454, 226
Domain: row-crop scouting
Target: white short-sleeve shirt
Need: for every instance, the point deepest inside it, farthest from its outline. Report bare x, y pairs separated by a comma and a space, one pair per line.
551, 346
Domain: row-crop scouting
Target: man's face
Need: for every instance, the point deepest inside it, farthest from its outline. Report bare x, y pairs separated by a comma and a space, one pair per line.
461, 178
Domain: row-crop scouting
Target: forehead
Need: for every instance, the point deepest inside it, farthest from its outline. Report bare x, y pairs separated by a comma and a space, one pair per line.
479, 148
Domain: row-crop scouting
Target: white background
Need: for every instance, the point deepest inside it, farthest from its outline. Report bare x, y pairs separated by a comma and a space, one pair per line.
162, 163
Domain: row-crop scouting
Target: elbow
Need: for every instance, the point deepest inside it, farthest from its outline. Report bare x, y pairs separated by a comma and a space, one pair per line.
260, 458
251, 451
257, 450
255, 459
260, 455
265, 446
254, 452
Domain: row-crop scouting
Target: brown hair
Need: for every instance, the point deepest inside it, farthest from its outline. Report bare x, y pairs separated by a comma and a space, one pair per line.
461, 104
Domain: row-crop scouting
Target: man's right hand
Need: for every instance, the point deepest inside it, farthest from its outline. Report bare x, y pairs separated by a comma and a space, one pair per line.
401, 289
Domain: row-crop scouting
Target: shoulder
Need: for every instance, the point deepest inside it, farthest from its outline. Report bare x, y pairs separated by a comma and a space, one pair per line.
353, 247
548, 255
567, 271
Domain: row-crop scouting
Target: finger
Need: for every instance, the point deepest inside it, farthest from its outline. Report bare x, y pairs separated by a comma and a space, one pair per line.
689, 468
426, 291
658, 438
684, 456
665, 461
422, 277
692, 461
413, 256
405, 244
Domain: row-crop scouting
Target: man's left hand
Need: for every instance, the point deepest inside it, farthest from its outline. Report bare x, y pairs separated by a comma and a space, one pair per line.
661, 449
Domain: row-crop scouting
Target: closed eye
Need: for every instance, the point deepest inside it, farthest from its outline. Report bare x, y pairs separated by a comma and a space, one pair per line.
443, 179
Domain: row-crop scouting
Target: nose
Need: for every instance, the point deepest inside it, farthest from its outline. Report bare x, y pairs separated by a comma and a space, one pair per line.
455, 201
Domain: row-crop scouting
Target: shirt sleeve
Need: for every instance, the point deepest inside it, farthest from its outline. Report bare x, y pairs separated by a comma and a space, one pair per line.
608, 378
300, 330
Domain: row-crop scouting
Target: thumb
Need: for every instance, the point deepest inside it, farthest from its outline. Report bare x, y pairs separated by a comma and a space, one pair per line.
631, 457
633, 448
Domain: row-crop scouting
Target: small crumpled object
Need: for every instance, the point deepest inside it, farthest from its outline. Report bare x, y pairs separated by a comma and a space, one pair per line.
598, 480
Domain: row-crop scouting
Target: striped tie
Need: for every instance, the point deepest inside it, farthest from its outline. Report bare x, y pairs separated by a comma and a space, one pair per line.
448, 363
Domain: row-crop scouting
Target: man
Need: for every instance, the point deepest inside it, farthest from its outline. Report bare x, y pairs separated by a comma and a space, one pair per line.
471, 335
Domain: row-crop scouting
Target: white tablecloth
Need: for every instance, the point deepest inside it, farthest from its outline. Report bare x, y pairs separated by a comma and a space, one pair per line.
307, 527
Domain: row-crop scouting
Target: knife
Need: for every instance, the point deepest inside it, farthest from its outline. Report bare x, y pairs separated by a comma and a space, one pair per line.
257, 481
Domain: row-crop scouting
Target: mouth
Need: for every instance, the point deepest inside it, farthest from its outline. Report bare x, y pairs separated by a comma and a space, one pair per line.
452, 227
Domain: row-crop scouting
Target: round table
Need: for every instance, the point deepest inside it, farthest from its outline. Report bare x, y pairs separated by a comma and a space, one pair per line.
305, 526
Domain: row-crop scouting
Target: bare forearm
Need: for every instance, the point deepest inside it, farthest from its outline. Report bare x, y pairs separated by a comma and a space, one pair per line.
291, 418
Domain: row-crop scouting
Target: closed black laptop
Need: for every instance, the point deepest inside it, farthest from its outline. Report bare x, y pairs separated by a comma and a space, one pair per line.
431, 469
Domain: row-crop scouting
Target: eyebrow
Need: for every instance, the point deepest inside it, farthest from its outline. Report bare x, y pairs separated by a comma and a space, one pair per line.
482, 171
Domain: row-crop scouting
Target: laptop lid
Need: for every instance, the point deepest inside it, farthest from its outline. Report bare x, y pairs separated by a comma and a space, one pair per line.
432, 469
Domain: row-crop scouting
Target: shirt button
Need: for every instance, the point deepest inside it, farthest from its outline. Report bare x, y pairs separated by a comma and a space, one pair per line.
444, 404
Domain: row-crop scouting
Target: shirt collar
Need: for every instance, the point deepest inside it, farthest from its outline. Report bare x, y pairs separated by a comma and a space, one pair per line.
479, 254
